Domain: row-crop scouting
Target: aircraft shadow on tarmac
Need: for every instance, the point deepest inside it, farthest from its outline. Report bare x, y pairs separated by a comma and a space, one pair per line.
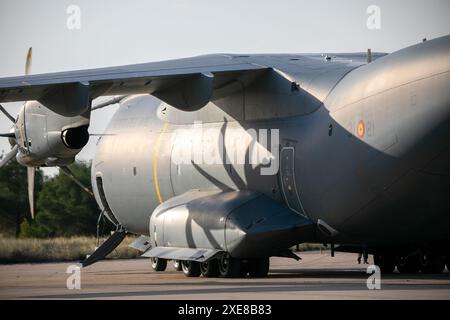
348, 273
316, 280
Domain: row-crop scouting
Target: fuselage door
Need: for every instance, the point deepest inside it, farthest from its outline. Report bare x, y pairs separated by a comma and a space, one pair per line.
287, 177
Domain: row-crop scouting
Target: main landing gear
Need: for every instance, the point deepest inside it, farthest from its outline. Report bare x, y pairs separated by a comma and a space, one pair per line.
158, 264
224, 266
230, 267
412, 263
210, 269
190, 268
177, 265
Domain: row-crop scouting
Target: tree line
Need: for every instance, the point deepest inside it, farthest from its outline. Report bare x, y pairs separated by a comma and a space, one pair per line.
63, 209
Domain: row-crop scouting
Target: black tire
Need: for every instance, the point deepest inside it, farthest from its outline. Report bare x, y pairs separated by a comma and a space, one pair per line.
430, 263
409, 264
158, 264
177, 265
230, 267
385, 262
259, 268
190, 268
210, 269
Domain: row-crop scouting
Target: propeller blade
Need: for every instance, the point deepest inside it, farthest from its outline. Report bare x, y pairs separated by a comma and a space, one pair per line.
7, 135
114, 100
9, 155
29, 61
70, 174
6, 113
31, 173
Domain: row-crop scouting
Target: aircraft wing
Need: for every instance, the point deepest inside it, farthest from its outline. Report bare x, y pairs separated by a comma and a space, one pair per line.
187, 84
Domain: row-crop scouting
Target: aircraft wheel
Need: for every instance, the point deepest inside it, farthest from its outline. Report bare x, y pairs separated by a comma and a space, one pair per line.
177, 265
430, 263
408, 264
385, 262
210, 269
190, 268
229, 267
259, 268
158, 264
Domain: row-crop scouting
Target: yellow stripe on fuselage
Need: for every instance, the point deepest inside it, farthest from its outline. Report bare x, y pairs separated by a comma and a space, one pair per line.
155, 162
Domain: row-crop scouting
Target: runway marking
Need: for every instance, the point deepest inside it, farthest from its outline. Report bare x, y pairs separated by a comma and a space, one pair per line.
155, 163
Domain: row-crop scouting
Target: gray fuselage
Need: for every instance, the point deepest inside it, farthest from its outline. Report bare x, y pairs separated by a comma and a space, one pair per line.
363, 147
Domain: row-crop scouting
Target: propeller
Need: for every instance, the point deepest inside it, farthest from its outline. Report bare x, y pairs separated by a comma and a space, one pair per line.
29, 61
10, 155
6, 113
31, 171
113, 100
8, 135
66, 170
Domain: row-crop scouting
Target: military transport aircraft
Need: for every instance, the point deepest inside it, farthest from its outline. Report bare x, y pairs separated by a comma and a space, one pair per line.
222, 161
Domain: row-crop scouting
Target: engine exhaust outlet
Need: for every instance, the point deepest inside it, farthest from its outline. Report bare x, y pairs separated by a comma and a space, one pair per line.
75, 138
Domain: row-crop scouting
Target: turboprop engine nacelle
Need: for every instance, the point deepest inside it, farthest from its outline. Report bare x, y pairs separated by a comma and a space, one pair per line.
46, 138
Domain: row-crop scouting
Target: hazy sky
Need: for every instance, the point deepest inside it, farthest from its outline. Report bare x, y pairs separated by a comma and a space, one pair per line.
125, 32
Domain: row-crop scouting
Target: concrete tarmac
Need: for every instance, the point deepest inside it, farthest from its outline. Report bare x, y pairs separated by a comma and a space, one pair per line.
317, 276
